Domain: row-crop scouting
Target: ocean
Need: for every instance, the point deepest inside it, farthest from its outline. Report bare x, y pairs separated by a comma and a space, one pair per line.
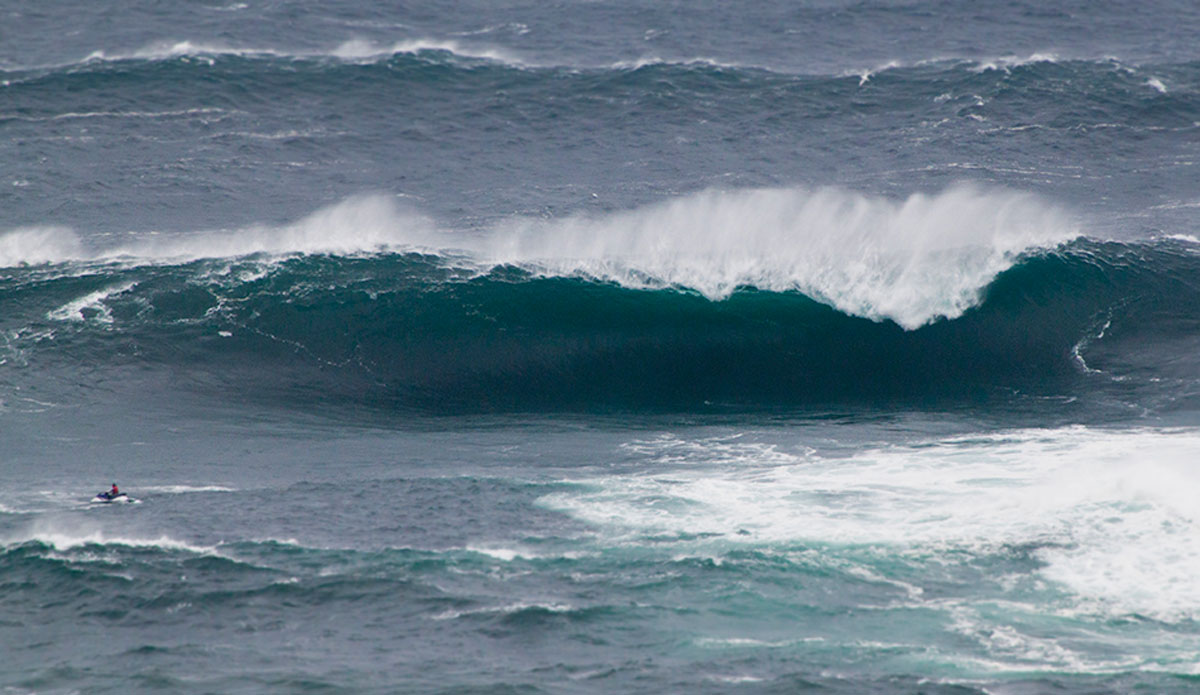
600, 347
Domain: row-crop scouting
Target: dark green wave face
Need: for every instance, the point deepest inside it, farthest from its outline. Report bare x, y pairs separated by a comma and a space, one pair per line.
413, 332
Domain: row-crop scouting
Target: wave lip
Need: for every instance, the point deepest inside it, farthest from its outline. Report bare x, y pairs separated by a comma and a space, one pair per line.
362, 50
913, 261
1009, 62
356, 225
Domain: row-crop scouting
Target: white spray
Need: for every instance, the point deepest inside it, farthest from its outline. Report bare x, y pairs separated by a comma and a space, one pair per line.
912, 261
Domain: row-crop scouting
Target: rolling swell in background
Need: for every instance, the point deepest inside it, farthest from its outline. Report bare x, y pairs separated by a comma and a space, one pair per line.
213, 117
721, 299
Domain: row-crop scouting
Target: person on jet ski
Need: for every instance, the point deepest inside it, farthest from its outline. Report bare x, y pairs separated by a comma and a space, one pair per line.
113, 492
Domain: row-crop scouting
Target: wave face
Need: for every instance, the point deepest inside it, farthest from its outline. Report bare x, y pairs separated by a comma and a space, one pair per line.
911, 261
609, 313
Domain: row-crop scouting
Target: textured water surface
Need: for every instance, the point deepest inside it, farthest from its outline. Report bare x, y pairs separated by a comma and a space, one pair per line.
600, 347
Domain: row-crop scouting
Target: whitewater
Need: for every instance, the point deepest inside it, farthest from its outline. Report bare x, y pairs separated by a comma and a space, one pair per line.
911, 262
600, 347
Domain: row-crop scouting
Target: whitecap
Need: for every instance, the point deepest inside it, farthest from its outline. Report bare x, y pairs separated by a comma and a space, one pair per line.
912, 261
94, 302
69, 540
1109, 514
38, 245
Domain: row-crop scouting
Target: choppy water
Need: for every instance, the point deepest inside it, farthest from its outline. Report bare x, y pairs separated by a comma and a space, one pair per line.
600, 347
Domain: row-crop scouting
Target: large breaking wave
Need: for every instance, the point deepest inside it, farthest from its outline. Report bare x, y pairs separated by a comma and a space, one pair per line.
759, 297
911, 262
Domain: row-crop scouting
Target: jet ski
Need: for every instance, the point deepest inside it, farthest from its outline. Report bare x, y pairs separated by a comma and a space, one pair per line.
109, 498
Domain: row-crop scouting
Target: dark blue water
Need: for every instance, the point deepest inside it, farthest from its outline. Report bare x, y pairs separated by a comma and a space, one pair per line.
600, 347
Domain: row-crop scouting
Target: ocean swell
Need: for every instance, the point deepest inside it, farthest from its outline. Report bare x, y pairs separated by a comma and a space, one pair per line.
746, 298
910, 261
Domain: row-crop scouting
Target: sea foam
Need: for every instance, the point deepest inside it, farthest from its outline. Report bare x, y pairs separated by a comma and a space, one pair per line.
76, 309
77, 538
1109, 515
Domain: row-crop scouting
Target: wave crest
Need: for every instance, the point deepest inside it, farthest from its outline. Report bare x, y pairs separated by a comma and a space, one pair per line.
353, 50
38, 245
361, 224
912, 261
